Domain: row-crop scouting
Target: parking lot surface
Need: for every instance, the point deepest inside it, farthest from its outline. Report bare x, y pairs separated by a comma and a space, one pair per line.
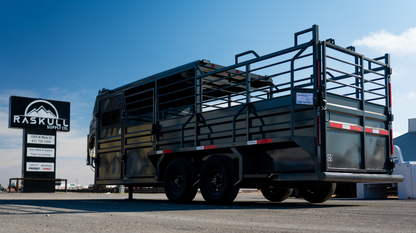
250, 212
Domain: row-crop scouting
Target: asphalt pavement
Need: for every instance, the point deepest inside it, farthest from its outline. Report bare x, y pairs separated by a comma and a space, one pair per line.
250, 212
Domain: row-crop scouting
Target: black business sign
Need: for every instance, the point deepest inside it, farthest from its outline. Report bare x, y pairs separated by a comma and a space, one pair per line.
40, 114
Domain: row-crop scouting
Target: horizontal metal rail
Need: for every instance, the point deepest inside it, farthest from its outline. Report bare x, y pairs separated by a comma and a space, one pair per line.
279, 63
342, 72
379, 98
180, 81
376, 83
353, 53
138, 93
373, 72
166, 102
254, 60
135, 109
375, 93
139, 116
344, 84
349, 63
138, 101
175, 91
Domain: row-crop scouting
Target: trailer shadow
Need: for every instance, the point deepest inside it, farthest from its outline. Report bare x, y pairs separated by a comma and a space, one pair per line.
30, 207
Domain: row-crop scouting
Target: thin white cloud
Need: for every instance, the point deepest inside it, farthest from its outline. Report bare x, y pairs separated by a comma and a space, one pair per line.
410, 95
385, 41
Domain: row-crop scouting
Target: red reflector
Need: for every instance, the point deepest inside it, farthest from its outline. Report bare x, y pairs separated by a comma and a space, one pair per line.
238, 72
210, 147
347, 127
259, 76
383, 132
167, 151
356, 128
264, 141
212, 65
376, 131
336, 125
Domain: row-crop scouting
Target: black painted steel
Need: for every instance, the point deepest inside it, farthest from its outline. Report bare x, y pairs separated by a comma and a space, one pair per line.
40, 119
34, 165
312, 112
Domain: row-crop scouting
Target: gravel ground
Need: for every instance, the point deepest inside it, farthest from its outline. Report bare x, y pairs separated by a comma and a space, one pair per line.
85, 212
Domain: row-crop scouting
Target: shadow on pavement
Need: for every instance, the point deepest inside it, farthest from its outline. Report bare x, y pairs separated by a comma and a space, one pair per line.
137, 205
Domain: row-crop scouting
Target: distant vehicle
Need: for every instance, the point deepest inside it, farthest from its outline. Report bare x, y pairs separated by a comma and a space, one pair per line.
72, 186
305, 117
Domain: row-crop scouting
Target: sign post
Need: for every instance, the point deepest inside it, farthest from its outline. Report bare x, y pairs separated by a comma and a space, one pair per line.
40, 120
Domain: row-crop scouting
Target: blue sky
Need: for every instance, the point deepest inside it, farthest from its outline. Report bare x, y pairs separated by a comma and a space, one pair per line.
67, 50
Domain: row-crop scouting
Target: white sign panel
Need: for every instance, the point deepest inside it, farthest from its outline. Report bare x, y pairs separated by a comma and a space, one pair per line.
40, 167
304, 98
40, 152
41, 139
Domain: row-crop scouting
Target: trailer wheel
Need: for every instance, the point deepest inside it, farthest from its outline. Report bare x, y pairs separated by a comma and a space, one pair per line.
219, 180
276, 195
318, 194
180, 181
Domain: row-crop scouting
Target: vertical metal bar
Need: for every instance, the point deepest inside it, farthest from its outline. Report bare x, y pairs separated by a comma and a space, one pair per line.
130, 193
292, 86
66, 186
240, 163
122, 136
293, 94
387, 74
322, 155
248, 101
318, 87
357, 80
199, 84
155, 114
235, 118
363, 134
183, 129
387, 81
198, 102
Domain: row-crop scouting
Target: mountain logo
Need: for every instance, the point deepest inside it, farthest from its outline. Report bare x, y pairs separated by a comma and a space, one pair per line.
38, 113
37, 109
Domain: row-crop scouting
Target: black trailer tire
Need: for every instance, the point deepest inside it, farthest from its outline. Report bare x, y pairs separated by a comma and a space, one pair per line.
180, 181
276, 195
218, 180
318, 194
